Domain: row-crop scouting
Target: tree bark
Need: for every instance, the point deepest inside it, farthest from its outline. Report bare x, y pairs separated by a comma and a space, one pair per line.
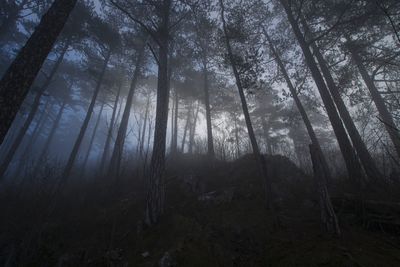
300, 107
352, 164
186, 128
385, 115
155, 199
104, 157
146, 114
35, 106
115, 162
50, 137
74, 153
89, 150
328, 216
193, 129
20, 75
174, 140
210, 139
256, 151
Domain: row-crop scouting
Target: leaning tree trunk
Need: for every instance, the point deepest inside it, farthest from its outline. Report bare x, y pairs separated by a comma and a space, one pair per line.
106, 149
155, 199
74, 153
365, 157
328, 217
89, 150
20, 75
352, 164
50, 137
210, 140
35, 106
300, 107
115, 162
256, 150
385, 116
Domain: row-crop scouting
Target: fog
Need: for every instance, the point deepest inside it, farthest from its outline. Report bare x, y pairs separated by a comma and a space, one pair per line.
199, 133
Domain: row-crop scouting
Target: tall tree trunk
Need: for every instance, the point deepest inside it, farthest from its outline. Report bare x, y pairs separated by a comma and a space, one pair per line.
20, 75
50, 137
172, 125
89, 150
115, 162
104, 157
186, 127
155, 198
210, 140
238, 153
352, 164
146, 115
174, 142
41, 121
193, 129
35, 106
74, 153
385, 116
365, 157
256, 150
300, 107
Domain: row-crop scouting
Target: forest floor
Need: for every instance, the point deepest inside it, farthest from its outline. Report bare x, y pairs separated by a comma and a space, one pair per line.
215, 216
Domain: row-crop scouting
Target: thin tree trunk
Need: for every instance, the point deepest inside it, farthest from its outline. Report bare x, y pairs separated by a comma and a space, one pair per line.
385, 115
106, 149
193, 129
146, 114
25, 156
174, 142
155, 199
365, 157
50, 138
210, 140
186, 128
35, 106
350, 158
238, 153
256, 151
115, 162
300, 107
89, 150
74, 153
172, 125
20, 75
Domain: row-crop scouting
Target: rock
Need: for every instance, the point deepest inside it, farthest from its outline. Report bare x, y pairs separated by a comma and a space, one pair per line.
145, 254
167, 260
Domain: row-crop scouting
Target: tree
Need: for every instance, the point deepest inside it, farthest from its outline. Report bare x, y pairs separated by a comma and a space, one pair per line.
20, 75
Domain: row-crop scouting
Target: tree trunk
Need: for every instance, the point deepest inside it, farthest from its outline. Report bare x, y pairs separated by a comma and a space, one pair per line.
35, 106
385, 115
20, 75
104, 157
75, 149
155, 198
210, 140
352, 164
186, 128
300, 107
365, 157
328, 216
256, 151
238, 153
146, 115
89, 150
50, 137
193, 130
115, 162
41, 121
174, 140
